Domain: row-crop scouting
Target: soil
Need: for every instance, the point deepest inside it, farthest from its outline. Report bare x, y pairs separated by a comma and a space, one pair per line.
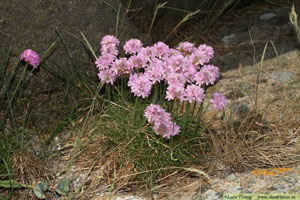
239, 44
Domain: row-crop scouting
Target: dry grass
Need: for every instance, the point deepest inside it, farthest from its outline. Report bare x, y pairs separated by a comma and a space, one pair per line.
28, 167
268, 134
251, 149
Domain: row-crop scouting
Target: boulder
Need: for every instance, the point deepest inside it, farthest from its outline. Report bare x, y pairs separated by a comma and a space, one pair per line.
33, 24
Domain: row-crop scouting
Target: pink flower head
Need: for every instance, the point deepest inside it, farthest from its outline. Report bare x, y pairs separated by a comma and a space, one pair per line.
133, 46
155, 113
219, 101
175, 78
110, 49
149, 53
208, 74
162, 121
31, 57
121, 66
189, 72
166, 129
155, 71
107, 75
194, 93
202, 54
162, 49
186, 47
140, 85
136, 61
104, 61
206, 50
109, 39
175, 91
177, 63
109, 45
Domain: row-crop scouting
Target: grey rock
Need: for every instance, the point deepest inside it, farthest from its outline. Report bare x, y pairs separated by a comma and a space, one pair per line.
241, 108
283, 77
267, 16
34, 24
228, 38
236, 190
211, 195
280, 188
245, 86
231, 177
291, 180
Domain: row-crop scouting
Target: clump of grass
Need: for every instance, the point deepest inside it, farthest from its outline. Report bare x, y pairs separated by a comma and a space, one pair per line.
146, 151
138, 157
8, 146
129, 157
294, 21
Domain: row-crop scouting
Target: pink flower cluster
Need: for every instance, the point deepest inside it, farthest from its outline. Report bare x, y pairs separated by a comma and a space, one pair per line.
162, 121
185, 70
31, 57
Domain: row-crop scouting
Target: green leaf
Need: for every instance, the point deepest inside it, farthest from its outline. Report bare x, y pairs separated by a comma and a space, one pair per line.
63, 186
42, 186
13, 184
39, 194
40, 190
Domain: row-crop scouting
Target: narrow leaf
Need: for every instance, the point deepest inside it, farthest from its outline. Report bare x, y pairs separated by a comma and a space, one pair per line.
13, 184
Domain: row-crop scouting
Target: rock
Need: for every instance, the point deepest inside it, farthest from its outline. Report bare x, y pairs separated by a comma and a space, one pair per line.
211, 195
291, 180
267, 16
244, 86
231, 177
282, 77
241, 108
281, 188
228, 38
33, 24
235, 190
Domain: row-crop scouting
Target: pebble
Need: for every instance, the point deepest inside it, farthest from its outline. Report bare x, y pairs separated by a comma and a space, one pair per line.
236, 190
231, 177
244, 86
241, 108
280, 188
291, 180
228, 38
267, 16
211, 195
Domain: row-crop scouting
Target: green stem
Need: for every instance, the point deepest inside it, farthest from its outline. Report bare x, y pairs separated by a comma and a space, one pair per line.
107, 86
156, 91
135, 112
186, 118
193, 111
18, 85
